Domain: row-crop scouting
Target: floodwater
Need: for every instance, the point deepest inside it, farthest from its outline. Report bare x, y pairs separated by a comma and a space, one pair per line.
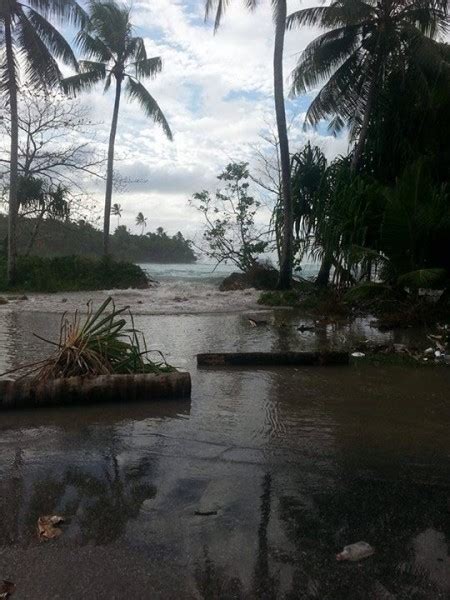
247, 491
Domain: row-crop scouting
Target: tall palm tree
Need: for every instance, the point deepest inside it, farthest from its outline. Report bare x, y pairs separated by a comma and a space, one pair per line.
114, 53
116, 211
365, 42
141, 221
29, 39
280, 14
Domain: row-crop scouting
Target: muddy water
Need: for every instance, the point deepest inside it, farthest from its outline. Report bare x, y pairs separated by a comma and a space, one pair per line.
246, 491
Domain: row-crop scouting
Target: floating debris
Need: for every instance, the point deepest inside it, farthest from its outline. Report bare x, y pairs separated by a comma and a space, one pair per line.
48, 526
205, 513
358, 354
356, 551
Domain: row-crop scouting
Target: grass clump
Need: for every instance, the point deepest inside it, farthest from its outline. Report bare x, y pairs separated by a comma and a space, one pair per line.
72, 273
104, 344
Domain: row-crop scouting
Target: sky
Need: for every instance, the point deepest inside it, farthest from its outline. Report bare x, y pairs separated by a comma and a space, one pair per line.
216, 92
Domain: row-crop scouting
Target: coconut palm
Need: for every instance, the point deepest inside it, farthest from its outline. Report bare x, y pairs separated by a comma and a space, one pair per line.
116, 211
113, 53
141, 221
29, 39
365, 42
280, 13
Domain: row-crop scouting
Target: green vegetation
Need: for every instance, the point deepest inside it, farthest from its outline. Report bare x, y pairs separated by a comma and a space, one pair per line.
286, 254
71, 273
63, 238
104, 344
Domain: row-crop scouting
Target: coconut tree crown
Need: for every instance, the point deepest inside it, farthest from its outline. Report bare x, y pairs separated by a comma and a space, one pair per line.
36, 42
112, 51
366, 38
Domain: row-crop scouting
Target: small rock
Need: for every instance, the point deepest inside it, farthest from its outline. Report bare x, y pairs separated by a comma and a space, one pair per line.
429, 351
22, 297
64, 300
3, 300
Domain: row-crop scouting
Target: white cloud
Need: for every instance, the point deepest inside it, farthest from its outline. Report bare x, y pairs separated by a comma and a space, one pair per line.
216, 91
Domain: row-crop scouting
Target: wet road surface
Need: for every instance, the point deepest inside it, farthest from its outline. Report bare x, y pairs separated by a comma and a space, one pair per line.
246, 491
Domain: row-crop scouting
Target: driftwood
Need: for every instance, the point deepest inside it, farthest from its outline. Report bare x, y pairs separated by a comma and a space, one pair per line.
25, 393
235, 359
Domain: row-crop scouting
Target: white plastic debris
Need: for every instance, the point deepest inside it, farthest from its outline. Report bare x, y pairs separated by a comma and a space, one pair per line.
358, 354
356, 551
438, 354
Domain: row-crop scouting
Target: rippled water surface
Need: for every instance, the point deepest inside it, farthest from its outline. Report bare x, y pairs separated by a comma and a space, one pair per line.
246, 491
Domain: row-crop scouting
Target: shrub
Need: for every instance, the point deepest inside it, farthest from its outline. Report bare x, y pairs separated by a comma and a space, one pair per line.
73, 273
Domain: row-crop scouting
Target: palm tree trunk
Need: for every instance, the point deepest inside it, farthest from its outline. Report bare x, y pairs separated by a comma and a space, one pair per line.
360, 144
35, 231
285, 278
323, 276
110, 167
13, 168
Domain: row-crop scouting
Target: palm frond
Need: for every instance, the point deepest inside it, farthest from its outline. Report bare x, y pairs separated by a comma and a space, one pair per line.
338, 14
135, 48
51, 37
41, 68
89, 65
92, 47
148, 67
137, 91
65, 11
219, 6
110, 22
323, 55
82, 82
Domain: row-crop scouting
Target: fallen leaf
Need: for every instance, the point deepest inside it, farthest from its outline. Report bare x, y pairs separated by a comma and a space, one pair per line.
7, 588
48, 526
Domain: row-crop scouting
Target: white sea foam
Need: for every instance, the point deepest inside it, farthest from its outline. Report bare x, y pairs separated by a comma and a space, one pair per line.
170, 297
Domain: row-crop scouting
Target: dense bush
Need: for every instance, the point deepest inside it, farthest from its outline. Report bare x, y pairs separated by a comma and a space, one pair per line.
72, 273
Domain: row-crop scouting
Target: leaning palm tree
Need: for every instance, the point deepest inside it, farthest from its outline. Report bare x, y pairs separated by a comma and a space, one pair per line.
367, 39
141, 222
29, 39
113, 53
280, 13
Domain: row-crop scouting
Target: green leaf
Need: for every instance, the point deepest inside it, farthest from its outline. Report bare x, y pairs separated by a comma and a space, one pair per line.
423, 278
137, 91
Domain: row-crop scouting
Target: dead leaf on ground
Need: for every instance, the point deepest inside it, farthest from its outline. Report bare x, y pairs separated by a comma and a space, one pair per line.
7, 588
48, 527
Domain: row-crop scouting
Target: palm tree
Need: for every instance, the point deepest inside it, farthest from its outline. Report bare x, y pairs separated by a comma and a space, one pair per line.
114, 53
365, 42
141, 221
280, 13
28, 37
116, 211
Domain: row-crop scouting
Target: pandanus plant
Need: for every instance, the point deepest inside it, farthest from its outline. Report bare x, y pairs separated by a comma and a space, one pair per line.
113, 54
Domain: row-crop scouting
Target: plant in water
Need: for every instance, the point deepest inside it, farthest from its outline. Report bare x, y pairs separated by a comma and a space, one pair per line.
104, 344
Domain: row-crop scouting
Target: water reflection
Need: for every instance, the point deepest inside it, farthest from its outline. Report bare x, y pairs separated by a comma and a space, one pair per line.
285, 467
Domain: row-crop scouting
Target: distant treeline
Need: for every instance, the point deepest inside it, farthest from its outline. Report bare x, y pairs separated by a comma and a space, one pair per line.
64, 238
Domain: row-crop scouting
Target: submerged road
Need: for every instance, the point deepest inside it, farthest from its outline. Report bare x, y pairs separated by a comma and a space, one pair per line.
246, 491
